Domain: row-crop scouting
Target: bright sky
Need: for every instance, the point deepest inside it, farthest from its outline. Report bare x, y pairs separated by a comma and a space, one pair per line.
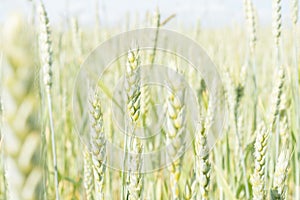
212, 13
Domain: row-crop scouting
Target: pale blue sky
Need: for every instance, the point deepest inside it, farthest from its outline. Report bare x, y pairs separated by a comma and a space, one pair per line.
212, 13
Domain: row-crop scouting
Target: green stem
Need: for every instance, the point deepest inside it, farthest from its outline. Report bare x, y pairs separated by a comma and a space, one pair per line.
49, 100
255, 91
123, 166
242, 157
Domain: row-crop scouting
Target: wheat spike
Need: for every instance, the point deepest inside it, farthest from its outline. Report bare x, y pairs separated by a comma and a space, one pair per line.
284, 129
251, 24
88, 175
145, 100
187, 195
45, 47
258, 177
276, 96
46, 61
294, 11
276, 21
135, 178
98, 143
133, 89
76, 37
133, 85
281, 173
202, 165
174, 134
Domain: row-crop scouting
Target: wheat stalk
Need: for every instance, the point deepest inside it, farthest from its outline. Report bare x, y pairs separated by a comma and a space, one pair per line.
46, 61
3, 185
133, 90
277, 26
235, 95
294, 11
76, 38
252, 37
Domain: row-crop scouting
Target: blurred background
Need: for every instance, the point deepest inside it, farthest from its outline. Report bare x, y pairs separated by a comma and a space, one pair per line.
213, 14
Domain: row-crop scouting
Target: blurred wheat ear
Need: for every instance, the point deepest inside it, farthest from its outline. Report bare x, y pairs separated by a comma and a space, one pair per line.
23, 171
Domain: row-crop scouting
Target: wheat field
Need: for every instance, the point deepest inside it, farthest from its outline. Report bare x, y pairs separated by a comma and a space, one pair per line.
53, 150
